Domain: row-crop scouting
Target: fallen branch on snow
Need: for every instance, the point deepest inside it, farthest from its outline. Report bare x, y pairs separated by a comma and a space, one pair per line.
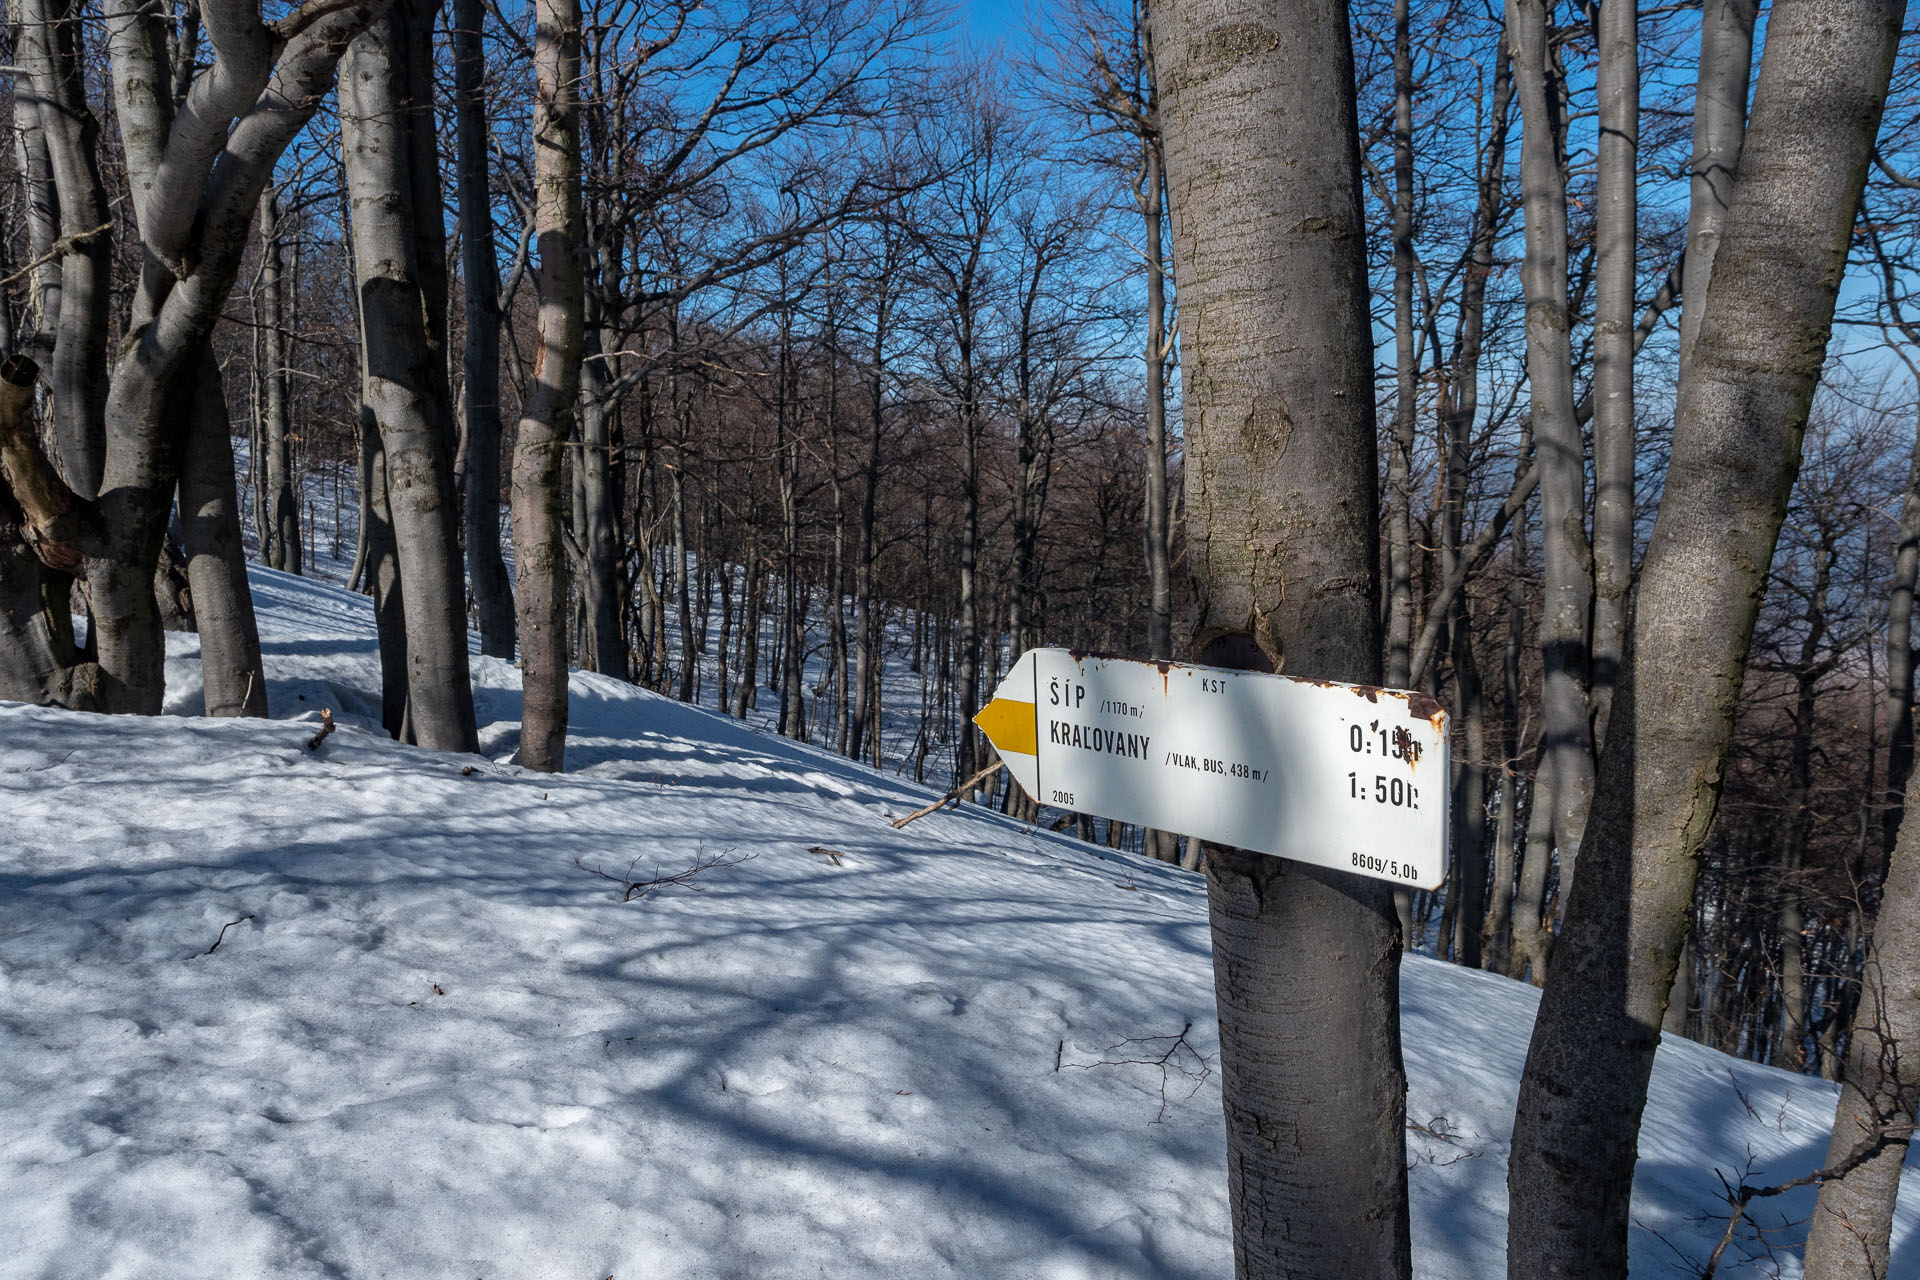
326, 727
223, 934
952, 795
633, 890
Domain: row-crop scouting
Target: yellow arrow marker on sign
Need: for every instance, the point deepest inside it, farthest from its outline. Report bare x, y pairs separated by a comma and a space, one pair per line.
1009, 726
1012, 724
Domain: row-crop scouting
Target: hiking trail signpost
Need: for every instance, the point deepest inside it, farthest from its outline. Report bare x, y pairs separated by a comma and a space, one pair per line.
1339, 775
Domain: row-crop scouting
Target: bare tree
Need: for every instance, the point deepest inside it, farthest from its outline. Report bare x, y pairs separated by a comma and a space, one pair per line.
480, 388
393, 179
1282, 508
539, 552
1742, 410
195, 177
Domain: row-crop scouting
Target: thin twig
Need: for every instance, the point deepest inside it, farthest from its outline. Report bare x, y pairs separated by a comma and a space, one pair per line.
61, 248
223, 934
633, 890
1165, 1062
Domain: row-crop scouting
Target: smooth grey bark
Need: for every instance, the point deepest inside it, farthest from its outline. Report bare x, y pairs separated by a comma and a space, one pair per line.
480, 360
378, 566
540, 560
52, 57
232, 672
1616, 240
1566, 555
1258, 116
1406, 372
1532, 947
195, 181
606, 641
1719, 128
399, 261
1159, 536
1874, 1119
1736, 447
41, 209
282, 543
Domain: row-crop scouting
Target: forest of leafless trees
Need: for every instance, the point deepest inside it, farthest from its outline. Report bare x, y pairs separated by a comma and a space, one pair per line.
805, 360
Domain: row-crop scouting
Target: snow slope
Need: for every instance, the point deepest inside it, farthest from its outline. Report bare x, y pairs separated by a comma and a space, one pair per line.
367, 1011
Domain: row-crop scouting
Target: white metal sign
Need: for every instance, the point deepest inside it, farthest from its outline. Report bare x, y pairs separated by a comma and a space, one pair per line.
1339, 775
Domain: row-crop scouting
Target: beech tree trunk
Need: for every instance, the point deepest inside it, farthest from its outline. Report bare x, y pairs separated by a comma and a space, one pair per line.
540, 559
1566, 555
194, 182
1282, 511
1874, 1119
1616, 231
399, 257
281, 549
1159, 538
599, 537
480, 272
231, 671
1719, 129
1736, 448
50, 54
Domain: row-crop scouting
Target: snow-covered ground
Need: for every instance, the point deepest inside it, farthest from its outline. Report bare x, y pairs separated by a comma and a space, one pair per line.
371, 1011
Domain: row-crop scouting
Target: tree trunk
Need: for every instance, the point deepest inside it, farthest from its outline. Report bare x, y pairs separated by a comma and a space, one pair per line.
1567, 558
1874, 1120
380, 571
1906, 569
1616, 232
1282, 509
677, 502
480, 272
1532, 939
1719, 128
1406, 375
966, 746
231, 669
399, 264
1798, 827
538, 539
867, 635
1736, 448
281, 547
39, 659
606, 642
1467, 895
1159, 541
52, 56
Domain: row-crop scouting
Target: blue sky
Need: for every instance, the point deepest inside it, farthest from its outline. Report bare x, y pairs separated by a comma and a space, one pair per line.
985, 21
